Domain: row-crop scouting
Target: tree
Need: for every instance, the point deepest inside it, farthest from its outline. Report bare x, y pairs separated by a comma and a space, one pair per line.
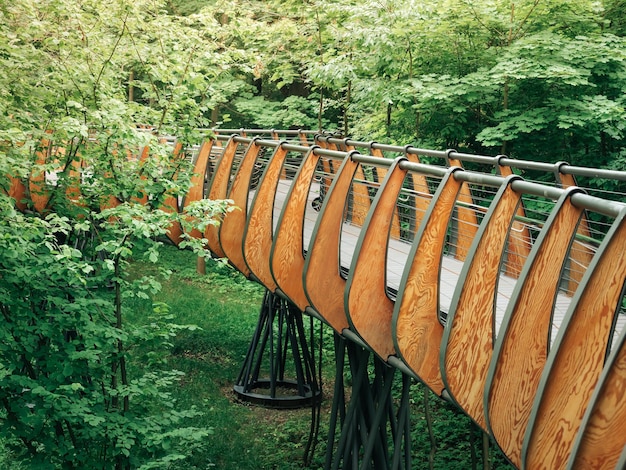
68, 132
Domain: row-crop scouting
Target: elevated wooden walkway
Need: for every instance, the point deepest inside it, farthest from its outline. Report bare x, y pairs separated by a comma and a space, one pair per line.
502, 295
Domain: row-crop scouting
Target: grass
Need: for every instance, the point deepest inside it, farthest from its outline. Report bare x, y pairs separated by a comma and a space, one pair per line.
225, 306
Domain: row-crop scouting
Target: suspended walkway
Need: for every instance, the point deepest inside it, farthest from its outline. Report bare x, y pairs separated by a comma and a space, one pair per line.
500, 294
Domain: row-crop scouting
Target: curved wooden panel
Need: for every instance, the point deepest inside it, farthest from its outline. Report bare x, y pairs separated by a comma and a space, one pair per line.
369, 309
581, 255
17, 191
381, 173
303, 138
519, 243
37, 179
73, 174
218, 189
323, 283
170, 204
418, 203
469, 333
577, 357
523, 342
233, 225
258, 235
360, 198
287, 253
416, 329
466, 218
360, 201
196, 191
421, 201
601, 441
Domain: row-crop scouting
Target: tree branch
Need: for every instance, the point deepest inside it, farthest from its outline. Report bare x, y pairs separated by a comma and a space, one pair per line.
108, 59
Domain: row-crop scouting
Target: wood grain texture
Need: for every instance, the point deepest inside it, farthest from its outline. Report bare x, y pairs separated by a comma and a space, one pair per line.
17, 191
369, 309
422, 198
258, 235
418, 202
466, 218
577, 360
519, 243
466, 355
581, 254
523, 342
394, 232
360, 198
323, 284
601, 442
218, 190
233, 225
170, 204
329, 170
196, 191
381, 173
417, 330
287, 253
360, 201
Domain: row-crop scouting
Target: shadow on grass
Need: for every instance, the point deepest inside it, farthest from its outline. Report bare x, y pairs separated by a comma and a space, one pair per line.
225, 307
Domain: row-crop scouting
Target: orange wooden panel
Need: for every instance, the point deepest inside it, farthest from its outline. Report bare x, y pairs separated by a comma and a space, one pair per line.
232, 228
467, 220
323, 283
417, 332
72, 190
360, 198
196, 191
258, 235
303, 138
36, 180
519, 238
218, 190
468, 340
328, 169
359, 194
422, 200
287, 255
381, 173
577, 359
581, 254
170, 204
523, 342
601, 442
177, 150
369, 309
331, 146
17, 191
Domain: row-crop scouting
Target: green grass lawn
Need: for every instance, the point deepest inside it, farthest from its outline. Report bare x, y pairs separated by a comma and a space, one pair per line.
225, 306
